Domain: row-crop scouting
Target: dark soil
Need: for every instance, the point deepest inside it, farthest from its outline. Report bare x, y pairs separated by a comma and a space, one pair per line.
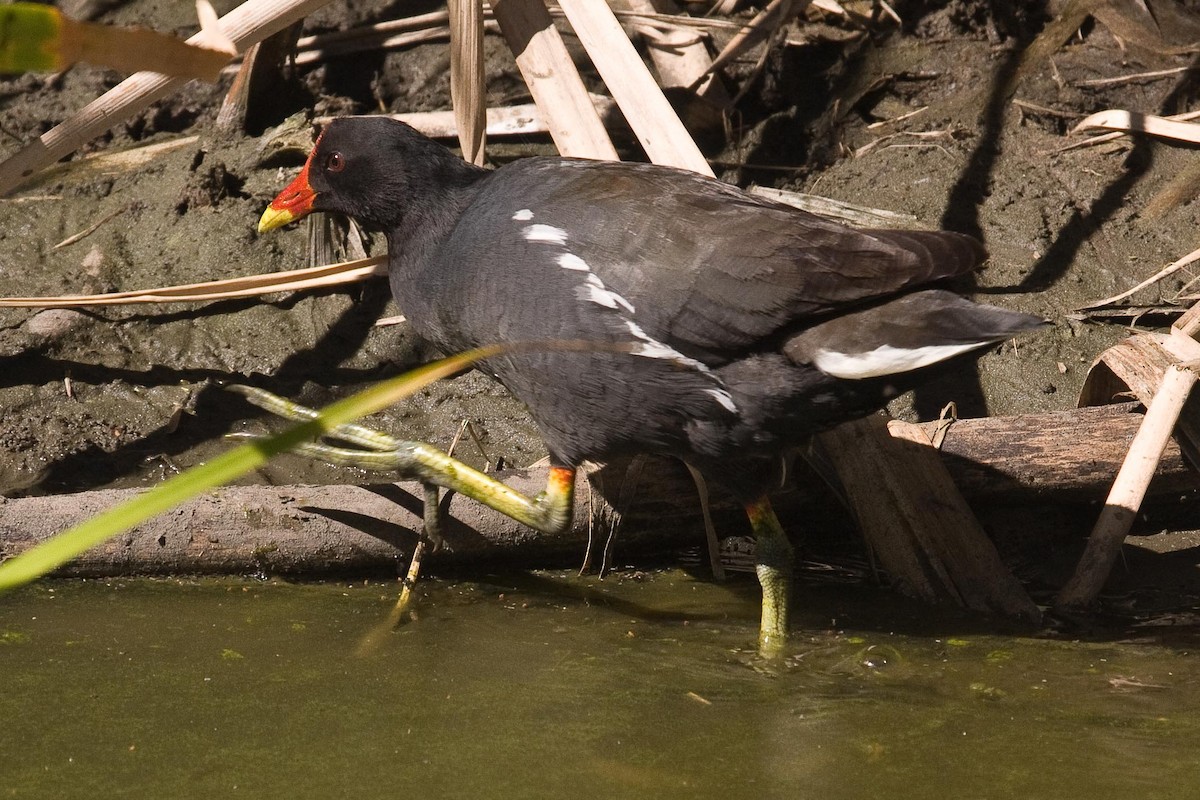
125, 396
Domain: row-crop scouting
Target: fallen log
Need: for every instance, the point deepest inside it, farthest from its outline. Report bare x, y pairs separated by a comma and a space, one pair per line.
1067, 456
915, 520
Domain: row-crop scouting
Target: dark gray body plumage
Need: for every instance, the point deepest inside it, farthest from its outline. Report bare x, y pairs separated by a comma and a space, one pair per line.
724, 298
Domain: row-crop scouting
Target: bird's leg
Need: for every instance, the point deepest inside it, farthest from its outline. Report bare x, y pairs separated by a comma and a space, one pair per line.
774, 568
432, 515
431, 535
549, 511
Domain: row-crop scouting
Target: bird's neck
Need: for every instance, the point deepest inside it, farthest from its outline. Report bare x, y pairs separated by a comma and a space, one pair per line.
422, 229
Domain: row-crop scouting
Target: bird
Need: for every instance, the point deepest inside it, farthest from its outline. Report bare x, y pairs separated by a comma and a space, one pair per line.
729, 328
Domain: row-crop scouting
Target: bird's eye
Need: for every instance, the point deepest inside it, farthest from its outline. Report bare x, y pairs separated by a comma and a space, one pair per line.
334, 162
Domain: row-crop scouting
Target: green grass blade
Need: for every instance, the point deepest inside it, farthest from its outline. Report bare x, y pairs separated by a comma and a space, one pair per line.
30, 38
55, 552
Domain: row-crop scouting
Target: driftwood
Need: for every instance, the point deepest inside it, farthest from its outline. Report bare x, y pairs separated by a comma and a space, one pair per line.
322, 530
915, 520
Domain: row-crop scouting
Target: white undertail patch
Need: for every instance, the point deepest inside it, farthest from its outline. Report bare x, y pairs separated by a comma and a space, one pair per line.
544, 233
886, 359
524, 215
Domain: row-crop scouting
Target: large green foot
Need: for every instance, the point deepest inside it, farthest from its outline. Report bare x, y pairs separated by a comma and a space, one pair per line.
549, 512
774, 568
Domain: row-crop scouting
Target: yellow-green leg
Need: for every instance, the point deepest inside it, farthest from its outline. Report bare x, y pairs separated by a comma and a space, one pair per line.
774, 568
549, 512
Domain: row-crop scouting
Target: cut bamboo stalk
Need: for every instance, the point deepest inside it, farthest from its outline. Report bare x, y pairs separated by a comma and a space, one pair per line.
1128, 491
662, 135
468, 84
553, 80
1144, 365
250, 22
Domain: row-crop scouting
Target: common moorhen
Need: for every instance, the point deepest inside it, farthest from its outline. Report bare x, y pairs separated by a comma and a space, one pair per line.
748, 325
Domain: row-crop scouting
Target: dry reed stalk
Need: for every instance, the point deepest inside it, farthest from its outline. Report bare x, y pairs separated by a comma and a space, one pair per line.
468, 84
435, 25
1165, 272
1108, 137
1165, 415
291, 281
250, 22
520, 120
1115, 119
679, 55
1135, 77
765, 24
553, 80
119, 160
662, 135
393, 42
706, 24
1128, 491
379, 31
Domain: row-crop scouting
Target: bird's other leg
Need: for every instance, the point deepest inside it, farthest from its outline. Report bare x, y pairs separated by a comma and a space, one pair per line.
549, 511
774, 568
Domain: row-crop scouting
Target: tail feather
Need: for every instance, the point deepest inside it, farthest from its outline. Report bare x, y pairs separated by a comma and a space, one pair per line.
946, 254
906, 333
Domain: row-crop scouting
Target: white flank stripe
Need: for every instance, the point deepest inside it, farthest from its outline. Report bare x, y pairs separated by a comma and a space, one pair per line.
545, 233
593, 289
524, 215
886, 360
572, 261
724, 398
656, 349
652, 348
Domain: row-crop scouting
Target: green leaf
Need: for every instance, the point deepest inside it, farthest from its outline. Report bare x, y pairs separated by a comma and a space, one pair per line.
37, 38
30, 38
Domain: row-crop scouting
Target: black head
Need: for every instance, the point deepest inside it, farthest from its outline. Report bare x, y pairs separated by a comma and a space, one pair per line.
374, 169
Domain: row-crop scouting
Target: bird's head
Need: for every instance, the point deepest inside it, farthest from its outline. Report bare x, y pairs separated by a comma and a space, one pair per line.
368, 168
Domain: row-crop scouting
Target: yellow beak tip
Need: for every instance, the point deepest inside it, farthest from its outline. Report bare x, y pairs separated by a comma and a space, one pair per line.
274, 218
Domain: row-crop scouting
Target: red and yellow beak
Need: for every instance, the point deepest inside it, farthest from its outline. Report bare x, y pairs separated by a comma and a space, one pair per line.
291, 204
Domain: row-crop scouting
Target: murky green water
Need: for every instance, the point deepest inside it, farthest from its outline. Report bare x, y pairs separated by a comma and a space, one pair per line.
554, 686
